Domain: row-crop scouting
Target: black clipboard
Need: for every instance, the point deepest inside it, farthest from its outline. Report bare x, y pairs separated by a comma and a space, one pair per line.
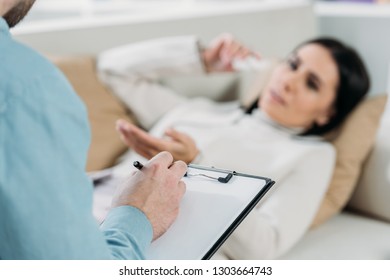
215, 203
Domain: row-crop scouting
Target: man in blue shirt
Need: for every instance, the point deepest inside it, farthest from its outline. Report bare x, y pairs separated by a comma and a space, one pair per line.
45, 195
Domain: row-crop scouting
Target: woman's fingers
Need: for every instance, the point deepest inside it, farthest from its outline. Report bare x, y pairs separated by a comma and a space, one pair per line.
139, 140
181, 145
176, 135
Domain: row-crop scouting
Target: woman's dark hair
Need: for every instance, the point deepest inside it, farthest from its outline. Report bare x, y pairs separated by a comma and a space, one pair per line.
354, 82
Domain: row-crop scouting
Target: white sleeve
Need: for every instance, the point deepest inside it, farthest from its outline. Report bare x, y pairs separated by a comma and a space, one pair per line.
133, 72
283, 217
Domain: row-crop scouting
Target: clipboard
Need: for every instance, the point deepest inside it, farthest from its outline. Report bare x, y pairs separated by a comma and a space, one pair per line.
215, 203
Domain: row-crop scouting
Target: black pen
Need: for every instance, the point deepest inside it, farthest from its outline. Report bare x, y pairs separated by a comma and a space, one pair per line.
138, 165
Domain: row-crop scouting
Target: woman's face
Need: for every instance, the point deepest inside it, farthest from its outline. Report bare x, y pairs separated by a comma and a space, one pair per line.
302, 89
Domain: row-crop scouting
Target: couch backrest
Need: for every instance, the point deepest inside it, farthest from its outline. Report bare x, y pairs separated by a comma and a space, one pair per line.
372, 194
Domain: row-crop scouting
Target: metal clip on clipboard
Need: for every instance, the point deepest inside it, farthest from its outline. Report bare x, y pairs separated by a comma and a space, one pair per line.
219, 179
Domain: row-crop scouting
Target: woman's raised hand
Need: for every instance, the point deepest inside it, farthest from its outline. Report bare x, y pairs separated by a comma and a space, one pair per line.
222, 51
180, 145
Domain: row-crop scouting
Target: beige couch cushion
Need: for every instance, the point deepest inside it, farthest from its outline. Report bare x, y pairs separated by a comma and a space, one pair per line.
353, 143
103, 110
372, 193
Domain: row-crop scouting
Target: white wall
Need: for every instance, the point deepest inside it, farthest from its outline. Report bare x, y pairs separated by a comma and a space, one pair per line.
273, 29
367, 29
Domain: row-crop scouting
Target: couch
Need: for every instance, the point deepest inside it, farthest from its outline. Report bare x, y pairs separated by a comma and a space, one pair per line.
355, 221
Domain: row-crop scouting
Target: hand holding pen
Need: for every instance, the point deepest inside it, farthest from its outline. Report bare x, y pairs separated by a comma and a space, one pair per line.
138, 165
156, 191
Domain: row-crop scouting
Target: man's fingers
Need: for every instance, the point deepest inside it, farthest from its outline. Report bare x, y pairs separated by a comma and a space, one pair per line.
183, 188
179, 168
164, 158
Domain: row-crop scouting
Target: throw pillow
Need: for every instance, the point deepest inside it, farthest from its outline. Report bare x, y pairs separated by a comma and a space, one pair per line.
353, 143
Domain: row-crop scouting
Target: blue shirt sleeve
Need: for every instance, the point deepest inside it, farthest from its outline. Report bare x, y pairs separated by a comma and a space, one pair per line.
123, 241
45, 195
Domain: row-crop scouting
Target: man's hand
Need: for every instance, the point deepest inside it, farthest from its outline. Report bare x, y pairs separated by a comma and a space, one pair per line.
222, 51
156, 190
180, 145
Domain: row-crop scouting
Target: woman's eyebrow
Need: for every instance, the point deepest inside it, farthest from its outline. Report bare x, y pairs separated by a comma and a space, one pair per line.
295, 56
313, 76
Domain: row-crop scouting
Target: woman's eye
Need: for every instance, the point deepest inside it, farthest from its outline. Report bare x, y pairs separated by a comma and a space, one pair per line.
312, 85
292, 63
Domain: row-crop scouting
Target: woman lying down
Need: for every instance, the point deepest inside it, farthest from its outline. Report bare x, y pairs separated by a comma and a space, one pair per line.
308, 94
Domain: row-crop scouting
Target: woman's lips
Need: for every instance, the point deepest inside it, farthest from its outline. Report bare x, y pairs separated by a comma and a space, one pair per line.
276, 97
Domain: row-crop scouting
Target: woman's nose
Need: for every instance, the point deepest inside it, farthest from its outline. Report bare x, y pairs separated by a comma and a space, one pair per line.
290, 82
